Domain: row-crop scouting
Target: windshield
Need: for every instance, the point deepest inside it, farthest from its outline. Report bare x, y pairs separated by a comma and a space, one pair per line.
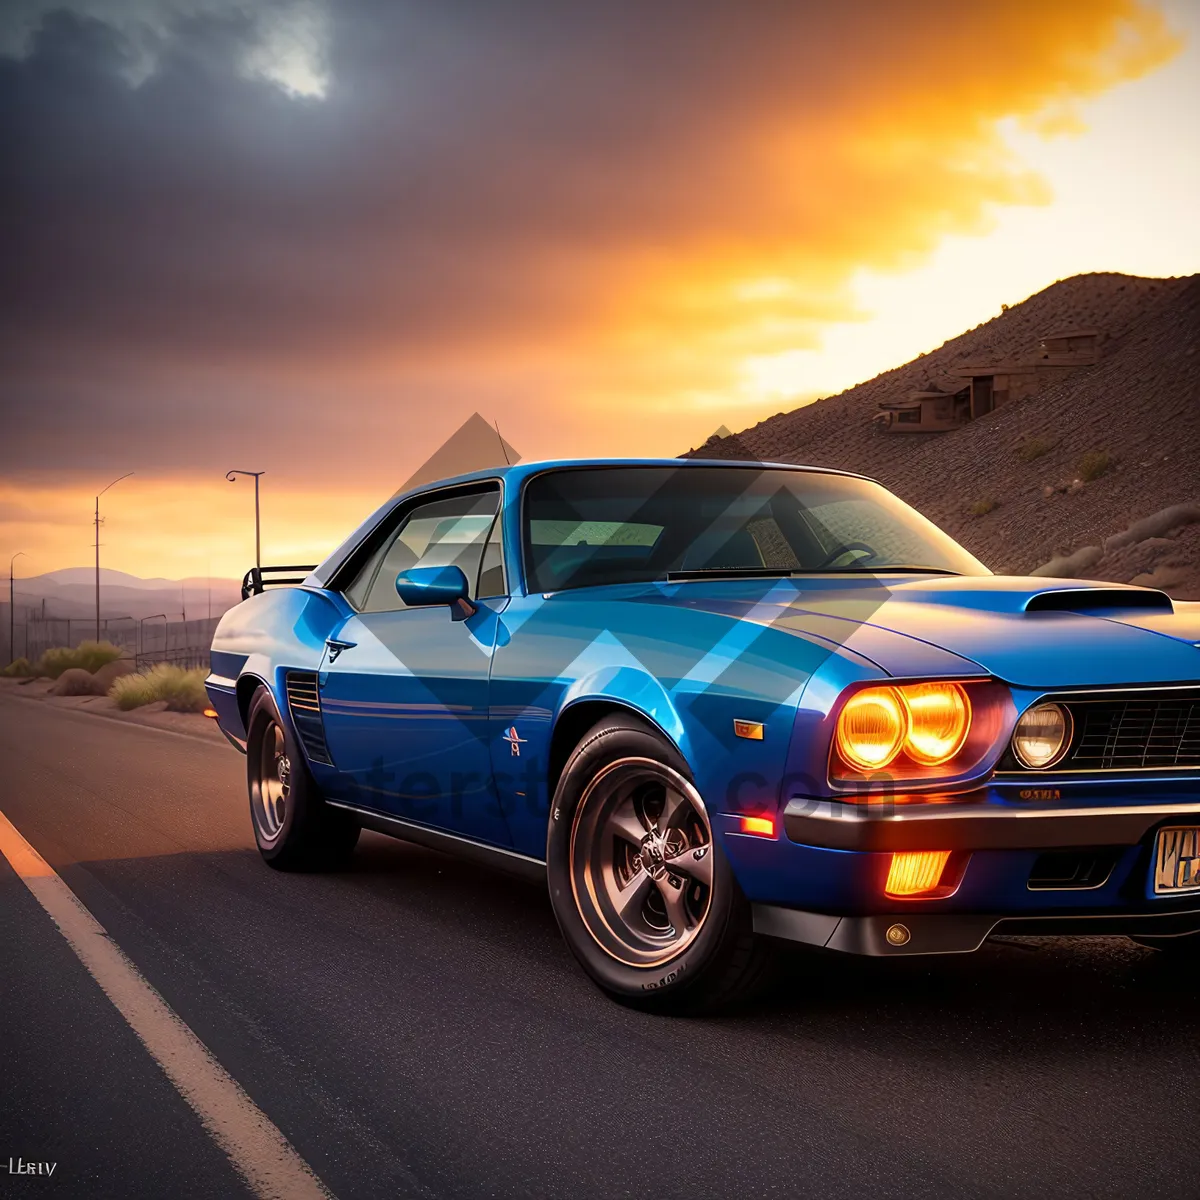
605, 525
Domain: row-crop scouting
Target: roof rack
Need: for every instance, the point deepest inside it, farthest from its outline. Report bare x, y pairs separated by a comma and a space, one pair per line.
258, 579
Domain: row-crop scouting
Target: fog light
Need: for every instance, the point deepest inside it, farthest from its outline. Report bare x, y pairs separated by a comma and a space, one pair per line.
915, 871
1042, 736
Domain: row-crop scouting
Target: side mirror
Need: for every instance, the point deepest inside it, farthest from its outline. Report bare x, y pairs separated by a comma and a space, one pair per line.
423, 586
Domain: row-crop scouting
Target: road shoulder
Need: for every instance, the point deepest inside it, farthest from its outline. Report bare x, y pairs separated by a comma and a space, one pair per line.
150, 716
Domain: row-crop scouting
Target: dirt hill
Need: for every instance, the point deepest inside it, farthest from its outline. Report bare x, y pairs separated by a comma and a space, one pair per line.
1066, 480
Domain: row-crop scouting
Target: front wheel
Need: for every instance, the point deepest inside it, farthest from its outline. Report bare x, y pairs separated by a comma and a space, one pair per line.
293, 826
642, 891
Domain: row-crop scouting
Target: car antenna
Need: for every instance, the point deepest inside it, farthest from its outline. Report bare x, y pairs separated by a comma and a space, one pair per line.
503, 448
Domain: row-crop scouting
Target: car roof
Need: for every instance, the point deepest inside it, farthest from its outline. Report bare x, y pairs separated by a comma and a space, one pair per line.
518, 472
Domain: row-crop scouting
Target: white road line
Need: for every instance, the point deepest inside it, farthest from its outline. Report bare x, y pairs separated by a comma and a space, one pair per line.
259, 1152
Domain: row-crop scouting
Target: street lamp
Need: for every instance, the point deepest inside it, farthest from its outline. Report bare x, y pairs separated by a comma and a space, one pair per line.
12, 645
98, 495
257, 528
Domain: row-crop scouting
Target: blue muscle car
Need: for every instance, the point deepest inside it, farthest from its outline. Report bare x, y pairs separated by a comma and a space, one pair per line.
715, 704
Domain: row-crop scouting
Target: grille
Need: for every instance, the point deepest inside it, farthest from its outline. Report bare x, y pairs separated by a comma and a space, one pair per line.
1135, 733
304, 703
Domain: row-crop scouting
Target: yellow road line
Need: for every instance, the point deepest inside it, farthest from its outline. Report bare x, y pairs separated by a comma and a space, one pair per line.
258, 1150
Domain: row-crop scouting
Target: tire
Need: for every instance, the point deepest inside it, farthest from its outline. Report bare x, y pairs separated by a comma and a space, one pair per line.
293, 826
620, 908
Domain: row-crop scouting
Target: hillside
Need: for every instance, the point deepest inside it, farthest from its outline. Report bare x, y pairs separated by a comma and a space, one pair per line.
1138, 408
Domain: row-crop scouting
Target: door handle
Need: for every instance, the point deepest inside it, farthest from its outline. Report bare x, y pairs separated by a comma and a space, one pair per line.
335, 647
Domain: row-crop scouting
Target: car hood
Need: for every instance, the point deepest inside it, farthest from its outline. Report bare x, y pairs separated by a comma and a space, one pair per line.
1030, 632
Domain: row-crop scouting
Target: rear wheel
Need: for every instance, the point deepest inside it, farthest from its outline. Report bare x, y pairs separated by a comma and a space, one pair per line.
294, 828
642, 891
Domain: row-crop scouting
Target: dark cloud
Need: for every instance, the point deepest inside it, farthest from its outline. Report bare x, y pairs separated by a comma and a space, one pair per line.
477, 177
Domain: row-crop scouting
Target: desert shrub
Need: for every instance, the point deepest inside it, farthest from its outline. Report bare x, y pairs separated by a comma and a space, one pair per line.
75, 681
1034, 447
1094, 464
182, 690
88, 656
18, 668
981, 508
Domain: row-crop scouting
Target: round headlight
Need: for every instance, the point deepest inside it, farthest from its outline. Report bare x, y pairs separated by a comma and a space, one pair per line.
872, 728
939, 715
1042, 736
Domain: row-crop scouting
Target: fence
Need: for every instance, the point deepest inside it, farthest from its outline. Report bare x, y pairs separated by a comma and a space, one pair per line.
148, 641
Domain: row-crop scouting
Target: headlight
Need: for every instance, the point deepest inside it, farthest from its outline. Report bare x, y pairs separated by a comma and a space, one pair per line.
871, 728
939, 716
1042, 736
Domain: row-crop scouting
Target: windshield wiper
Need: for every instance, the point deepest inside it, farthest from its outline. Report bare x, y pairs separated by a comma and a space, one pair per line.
791, 572
730, 573
889, 568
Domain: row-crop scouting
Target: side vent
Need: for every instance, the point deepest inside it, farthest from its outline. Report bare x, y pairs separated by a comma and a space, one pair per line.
1099, 600
304, 702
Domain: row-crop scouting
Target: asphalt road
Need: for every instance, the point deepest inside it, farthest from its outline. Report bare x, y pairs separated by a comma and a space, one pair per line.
414, 1026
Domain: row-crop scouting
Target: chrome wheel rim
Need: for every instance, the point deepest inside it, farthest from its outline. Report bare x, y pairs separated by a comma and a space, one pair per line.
641, 861
270, 791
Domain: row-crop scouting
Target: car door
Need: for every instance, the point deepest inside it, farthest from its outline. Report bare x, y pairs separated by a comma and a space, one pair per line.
404, 690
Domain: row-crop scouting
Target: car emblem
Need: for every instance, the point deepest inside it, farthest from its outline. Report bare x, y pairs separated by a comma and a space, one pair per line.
515, 740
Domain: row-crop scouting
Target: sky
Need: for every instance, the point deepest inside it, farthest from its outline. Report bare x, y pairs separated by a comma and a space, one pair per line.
313, 237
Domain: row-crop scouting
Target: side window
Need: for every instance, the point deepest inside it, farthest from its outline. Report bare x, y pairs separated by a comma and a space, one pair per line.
450, 532
491, 572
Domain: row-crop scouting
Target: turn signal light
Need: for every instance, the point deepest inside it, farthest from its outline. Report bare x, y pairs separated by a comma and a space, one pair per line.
211, 712
758, 826
928, 722
915, 871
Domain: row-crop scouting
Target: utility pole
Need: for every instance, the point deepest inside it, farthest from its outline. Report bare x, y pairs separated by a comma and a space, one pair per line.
98, 495
257, 528
12, 645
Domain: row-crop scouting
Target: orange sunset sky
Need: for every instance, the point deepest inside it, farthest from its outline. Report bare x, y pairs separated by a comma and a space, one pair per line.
313, 238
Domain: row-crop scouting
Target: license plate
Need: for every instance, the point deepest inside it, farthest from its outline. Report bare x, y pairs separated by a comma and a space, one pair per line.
1177, 860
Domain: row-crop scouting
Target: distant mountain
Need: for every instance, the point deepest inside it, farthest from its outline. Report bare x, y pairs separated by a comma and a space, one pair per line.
1112, 447
70, 593
110, 578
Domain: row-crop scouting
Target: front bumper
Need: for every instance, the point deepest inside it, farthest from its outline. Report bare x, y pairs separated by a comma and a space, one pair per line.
899, 934
849, 847
838, 825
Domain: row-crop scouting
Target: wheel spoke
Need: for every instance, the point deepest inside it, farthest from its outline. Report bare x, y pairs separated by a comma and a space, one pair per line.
626, 823
673, 901
695, 862
629, 899
676, 807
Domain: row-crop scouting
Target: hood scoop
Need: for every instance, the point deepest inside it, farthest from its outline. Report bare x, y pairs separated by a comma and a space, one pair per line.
1103, 599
